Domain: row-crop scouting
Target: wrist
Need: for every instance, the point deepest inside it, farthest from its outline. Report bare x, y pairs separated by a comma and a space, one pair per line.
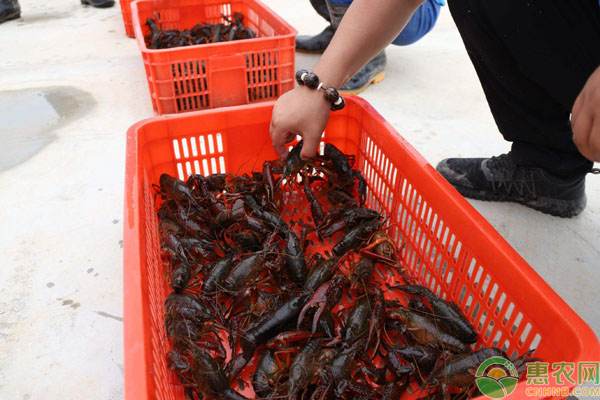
311, 81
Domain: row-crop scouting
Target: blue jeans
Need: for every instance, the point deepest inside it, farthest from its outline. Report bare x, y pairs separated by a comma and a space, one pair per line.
419, 25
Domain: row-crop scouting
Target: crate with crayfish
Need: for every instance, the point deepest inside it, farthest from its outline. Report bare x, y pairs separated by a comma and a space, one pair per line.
215, 74
441, 241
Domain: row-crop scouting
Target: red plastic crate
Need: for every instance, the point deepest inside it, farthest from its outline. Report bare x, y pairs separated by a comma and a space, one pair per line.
126, 12
444, 242
217, 74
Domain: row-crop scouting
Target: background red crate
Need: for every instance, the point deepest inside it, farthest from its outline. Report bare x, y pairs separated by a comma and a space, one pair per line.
217, 74
127, 20
444, 242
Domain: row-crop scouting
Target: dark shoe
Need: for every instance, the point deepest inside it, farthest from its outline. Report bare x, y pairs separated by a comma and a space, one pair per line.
99, 3
373, 72
9, 9
500, 179
315, 44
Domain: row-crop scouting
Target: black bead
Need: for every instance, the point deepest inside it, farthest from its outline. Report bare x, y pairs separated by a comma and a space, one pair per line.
331, 95
336, 107
311, 80
299, 76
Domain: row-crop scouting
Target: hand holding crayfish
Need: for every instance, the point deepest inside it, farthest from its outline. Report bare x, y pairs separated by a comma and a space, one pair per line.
303, 112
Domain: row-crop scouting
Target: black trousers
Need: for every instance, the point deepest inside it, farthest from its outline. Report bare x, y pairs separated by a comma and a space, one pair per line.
533, 58
320, 7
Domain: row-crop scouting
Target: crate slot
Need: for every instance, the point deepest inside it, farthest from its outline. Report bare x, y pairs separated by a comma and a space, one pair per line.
468, 303
492, 294
432, 284
444, 269
423, 210
222, 164
477, 277
457, 251
202, 145
525, 333
193, 147
481, 320
497, 339
462, 294
449, 277
219, 139
475, 312
211, 146
516, 324
535, 342
184, 146
438, 263
471, 268
176, 149
434, 223
488, 331
500, 304
486, 283
419, 240
450, 244
226, 9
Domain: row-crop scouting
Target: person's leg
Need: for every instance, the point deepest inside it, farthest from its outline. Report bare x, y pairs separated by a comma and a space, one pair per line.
532, 59
422, 21
319, 42
420, 24
373, 71
9, 9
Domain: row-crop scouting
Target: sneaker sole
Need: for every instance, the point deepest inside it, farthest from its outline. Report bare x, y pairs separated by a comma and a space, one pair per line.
310, 51
105, 4
555, 207
378, 78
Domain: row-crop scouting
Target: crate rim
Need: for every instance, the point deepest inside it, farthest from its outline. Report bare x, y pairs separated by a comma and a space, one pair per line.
139, 36
136, 382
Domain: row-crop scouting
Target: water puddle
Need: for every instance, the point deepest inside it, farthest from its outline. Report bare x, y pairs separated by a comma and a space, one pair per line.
29, 117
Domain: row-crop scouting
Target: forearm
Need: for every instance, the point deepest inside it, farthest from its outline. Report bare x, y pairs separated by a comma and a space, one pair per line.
367, 28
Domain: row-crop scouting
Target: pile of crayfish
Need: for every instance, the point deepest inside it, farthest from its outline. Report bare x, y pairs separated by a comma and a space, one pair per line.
252, 296
233, 29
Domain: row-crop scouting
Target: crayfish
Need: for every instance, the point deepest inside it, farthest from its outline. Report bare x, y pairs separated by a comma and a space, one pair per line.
311, 300
198, 34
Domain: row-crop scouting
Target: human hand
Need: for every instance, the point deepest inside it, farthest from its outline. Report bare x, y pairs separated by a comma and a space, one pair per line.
301, 111
585, 118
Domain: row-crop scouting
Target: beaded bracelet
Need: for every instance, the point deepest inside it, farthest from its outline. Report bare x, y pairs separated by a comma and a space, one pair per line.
311, 81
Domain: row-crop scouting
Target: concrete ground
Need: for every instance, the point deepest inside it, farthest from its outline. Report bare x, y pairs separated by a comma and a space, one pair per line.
71, 83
